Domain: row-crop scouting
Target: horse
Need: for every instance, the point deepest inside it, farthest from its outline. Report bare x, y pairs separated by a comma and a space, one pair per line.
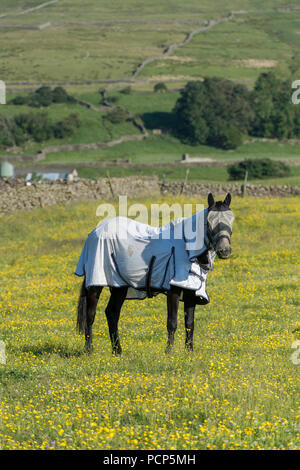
217, 243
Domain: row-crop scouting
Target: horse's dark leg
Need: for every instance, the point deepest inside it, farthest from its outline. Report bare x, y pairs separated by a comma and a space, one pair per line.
93, 294
189, 309
172, 304
112, 311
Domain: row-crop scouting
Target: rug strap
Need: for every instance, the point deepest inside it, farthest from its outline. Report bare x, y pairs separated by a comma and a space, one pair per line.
149, 274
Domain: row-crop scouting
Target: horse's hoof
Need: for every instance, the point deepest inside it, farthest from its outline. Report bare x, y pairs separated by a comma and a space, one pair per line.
88, 349
168, 349
189, 347
117, 352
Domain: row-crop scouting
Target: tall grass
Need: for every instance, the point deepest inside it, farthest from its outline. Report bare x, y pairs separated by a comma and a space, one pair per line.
238, 390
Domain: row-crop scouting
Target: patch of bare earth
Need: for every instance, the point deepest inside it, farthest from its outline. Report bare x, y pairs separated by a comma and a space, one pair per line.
167, 78
179, 59
256, 63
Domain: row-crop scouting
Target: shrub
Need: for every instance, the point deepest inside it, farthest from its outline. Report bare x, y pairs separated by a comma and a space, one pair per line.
59, 95
160, 87
67, 126
19, 100
23, 121
62, 129
18, 135
126, 91
117, 115
10, 133
36, 126
6, 138
260, 168
73, 119
43, 97
113, 99
40, 128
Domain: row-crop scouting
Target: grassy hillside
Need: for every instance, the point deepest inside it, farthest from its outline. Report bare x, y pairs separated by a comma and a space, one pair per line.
237, 50
147, 155
238, 390
104, 41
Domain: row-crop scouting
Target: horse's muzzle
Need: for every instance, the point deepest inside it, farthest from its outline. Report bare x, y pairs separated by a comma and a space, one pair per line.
224, 253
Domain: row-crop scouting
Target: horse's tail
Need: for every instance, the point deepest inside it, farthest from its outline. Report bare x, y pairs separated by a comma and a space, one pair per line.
82, 309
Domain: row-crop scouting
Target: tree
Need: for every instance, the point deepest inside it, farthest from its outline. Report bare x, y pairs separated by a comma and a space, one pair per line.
160, 87
213, 112
19, 100
228, 137
275, 115
42, 97
59, 95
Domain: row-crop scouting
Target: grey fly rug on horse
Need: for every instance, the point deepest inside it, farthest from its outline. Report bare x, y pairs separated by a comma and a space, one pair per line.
124, 252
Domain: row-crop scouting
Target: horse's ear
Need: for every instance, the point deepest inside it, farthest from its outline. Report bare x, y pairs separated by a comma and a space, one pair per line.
227, 199
210, 200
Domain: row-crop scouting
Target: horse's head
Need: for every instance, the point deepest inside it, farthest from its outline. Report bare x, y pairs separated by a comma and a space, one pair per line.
219, 225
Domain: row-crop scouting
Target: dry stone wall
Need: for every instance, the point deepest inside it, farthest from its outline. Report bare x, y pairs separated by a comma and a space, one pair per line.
17, 194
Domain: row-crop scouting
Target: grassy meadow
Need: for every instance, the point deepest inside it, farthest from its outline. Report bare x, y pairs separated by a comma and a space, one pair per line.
209, 174
238, 390
84, 47
147, 155
104, 41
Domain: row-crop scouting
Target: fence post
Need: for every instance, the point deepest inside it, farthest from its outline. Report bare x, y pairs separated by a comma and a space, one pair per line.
185, 181
244, 185
110, 185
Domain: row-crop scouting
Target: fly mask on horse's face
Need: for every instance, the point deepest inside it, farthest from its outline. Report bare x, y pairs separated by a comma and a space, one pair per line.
219, 225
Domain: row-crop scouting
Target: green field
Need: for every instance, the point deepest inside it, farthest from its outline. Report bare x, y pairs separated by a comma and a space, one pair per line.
101, 41
195, 174
238, 390
82, 47
147, 155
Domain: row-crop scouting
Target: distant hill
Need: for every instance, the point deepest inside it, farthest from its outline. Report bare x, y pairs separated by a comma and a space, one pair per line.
63, 40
